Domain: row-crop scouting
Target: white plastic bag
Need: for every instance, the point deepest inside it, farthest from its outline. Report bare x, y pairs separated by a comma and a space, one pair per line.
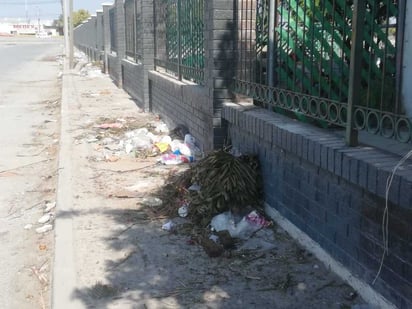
243, 229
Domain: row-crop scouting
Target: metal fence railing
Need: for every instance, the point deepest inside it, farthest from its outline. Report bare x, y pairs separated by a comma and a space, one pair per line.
139, 31
325, 61
113, 29
133, 29
179, 48
130, 28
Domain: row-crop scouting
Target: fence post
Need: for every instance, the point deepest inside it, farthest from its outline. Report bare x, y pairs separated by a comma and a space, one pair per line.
406, 61
99, 34
220, 63
355, 72
106, 36
179, 41
93, 36
135, 28
121, 40
271, 44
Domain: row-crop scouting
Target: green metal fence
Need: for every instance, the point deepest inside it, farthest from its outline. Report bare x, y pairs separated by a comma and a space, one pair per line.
133, 29
139, 31
332, 62
179, 48
130, 28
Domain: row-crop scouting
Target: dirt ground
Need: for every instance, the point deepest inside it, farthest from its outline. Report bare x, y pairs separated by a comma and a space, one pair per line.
124, 259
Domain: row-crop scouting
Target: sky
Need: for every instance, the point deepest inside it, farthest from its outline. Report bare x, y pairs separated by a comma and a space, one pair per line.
43, 9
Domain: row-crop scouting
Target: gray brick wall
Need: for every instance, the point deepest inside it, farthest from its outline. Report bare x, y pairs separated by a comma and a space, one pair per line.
148, 50
106, 37
120, 40
219, 36
133, 80
99, 35
112, 61
180, 103
333, 193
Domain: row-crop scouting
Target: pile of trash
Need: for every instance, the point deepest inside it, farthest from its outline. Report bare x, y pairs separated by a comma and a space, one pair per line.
91, 71
219, 194
86, 68
172, 151
116, 139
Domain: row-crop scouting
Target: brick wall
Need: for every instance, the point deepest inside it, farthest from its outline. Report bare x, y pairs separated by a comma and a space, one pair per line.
334, 194
132, 74
148, 50
120, 41
112, 67
219, 60
106, 37
99, 35
182, 103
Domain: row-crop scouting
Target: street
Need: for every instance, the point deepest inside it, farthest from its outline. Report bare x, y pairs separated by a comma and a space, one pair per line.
29, 135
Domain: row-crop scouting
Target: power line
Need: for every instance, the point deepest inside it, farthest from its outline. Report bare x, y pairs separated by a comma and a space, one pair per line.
31, 3
31, 16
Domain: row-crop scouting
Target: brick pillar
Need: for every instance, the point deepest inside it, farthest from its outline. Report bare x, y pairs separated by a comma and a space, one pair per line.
220, 63
93, 32
106, 36
120, 39
88, 38
99, 34
148, 48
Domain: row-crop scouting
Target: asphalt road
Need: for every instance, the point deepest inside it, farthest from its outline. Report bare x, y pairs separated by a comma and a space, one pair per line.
21, 80
29, 116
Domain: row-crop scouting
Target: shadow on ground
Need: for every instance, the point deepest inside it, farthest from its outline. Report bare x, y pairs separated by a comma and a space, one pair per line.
147, 267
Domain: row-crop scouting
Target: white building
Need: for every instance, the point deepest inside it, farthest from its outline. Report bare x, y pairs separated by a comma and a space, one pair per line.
5, 29
22, 27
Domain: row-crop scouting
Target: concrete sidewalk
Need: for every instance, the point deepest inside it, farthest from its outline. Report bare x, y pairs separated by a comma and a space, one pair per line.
111, 251
85, 100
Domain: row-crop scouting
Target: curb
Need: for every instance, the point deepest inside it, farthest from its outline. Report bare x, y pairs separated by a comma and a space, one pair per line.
64, 271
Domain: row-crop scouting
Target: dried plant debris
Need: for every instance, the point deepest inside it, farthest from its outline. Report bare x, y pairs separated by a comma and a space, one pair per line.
227, 183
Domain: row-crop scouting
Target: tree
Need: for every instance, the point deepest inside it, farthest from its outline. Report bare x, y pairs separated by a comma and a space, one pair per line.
80, 16
58, 24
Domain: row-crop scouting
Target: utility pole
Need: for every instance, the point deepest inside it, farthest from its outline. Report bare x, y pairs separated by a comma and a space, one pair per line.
71, 52
27, 12
38, 20
66, 28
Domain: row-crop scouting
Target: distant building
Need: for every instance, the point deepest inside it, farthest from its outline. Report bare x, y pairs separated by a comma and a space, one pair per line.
10, 27
5, 29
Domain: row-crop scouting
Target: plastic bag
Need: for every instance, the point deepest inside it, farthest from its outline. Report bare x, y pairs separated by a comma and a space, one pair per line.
172, 159
163, 147
243, 230
190, 140
137, 132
